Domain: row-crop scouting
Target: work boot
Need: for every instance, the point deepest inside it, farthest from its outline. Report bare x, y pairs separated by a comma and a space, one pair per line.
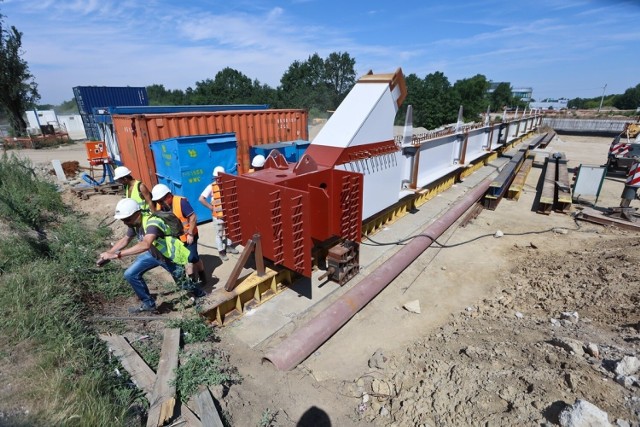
144, 308
203, 277
223, 256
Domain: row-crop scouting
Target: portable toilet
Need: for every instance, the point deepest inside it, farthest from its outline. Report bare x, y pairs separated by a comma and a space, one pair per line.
185, 164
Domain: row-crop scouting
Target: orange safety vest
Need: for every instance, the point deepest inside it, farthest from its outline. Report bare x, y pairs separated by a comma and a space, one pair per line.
216, 201
176, 208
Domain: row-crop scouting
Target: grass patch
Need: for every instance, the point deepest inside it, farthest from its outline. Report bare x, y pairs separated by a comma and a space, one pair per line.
47, 281
203, 368
194, 329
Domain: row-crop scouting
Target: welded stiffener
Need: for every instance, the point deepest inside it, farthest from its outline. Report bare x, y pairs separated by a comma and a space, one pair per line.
311, 212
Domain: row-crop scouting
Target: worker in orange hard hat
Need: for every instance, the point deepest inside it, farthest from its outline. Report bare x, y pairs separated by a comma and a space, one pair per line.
210, 197
134, 189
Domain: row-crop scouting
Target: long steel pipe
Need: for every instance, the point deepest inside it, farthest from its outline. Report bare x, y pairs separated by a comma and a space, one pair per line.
305, 340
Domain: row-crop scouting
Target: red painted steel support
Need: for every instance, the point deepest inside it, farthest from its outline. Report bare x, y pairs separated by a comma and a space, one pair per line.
305, 340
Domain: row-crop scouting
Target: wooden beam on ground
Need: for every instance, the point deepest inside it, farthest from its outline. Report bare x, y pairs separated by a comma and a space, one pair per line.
208, 412
163, 397
141, 374
515, 190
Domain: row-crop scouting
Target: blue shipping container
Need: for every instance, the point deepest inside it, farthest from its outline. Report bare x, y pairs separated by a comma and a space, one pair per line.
185, 164
291, 150
90, 97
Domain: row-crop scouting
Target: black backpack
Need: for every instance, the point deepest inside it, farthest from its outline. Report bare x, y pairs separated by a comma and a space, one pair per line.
176, 229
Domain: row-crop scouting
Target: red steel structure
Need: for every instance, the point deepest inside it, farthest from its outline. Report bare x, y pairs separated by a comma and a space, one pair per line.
314, 208
294, 208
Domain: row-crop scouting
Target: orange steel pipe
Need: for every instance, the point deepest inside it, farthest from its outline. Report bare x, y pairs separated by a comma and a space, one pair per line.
305, 340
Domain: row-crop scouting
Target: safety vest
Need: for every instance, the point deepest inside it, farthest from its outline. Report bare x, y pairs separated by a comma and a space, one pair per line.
216, 201
170, 247
135, 195
176, 208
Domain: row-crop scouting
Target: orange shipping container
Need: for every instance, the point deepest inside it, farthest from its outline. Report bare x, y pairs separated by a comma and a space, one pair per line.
135, 133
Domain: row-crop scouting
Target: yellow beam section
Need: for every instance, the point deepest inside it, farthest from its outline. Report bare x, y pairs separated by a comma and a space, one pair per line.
222, 307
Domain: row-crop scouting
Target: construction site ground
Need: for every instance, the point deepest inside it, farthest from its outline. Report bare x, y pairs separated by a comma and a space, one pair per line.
489, 344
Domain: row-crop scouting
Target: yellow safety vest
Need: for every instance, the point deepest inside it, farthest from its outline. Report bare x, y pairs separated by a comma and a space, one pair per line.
137, 196
170, 247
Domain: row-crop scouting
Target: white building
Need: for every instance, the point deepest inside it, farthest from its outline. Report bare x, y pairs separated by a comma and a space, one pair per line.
71, 124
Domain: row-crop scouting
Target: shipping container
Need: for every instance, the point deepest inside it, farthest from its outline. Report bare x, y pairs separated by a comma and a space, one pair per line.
90, 97
135, 133
291, 150
104, 121
185, 165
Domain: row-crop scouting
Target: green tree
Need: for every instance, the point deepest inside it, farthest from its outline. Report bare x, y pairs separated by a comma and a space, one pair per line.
472, 93
229, 86
67, 107
433, 99
18, 90
340, 75
316, 84
629, 100
158, 95
501, 97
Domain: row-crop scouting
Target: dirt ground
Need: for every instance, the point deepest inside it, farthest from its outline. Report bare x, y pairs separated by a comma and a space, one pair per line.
511, 330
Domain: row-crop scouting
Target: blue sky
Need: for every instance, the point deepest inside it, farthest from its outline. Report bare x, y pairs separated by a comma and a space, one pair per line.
560, 48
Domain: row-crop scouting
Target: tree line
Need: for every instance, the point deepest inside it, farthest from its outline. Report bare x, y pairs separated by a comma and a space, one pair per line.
317, 84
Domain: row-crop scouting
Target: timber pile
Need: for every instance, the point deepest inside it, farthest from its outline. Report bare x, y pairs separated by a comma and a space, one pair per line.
159, 388
84, 191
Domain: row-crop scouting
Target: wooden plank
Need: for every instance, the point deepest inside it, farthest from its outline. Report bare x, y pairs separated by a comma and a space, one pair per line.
141, 374
208, 412
163, 397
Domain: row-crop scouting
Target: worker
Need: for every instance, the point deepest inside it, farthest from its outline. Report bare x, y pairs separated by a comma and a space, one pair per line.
257, 163
134, 189
166, 202
154, 248
210, 197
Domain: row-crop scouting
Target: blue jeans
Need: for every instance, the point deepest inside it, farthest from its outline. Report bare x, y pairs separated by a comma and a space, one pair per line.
193, 250
143, 263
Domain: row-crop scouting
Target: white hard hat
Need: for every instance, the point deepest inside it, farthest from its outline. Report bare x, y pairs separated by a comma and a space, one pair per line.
258, 161
121, 172
217, 170
125, 208
159, 191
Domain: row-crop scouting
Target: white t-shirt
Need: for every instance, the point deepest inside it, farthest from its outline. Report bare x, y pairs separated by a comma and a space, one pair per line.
206, 193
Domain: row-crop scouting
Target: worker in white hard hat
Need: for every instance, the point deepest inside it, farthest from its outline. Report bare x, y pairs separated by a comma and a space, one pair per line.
257, 163
134, 189
168, 202
210, 197
156, 247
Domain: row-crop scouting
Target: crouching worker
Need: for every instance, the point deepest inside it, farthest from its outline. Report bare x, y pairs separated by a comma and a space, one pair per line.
155, 248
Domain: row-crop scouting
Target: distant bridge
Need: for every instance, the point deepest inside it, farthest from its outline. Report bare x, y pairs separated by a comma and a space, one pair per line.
585, 126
